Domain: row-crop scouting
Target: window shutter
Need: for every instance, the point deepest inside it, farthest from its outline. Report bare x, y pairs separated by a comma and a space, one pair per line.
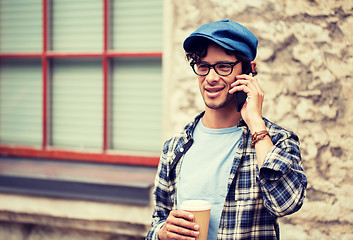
137, 82
77, 103
77, 25
18, 19
75, 83
137, 25
137, 105
20, 102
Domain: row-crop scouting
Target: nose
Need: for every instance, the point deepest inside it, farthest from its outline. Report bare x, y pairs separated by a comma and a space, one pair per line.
212, 76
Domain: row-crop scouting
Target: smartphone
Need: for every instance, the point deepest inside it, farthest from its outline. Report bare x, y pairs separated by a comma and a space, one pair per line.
240, 96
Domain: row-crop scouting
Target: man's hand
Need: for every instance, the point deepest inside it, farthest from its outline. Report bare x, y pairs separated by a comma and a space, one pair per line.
179, 225
252, 109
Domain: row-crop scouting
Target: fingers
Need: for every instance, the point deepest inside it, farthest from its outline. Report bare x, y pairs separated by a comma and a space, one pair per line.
177, 232
252, 79
248, 84
182, 219
242, 85
252, 108
179, 225
251, 111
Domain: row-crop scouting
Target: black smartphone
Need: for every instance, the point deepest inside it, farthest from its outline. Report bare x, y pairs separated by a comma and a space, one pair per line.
240, 96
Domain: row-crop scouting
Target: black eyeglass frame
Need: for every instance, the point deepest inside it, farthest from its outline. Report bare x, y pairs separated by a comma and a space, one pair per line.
209, 66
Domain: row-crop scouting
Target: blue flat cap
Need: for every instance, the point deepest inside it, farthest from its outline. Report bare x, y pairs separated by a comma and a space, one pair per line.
228, 34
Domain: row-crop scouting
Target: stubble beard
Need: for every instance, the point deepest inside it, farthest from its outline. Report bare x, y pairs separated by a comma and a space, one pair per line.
229, 99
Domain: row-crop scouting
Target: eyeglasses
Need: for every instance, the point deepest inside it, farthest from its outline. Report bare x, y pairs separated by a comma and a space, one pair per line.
222, 69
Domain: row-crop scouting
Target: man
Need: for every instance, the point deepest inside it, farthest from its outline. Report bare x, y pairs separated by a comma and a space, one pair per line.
248, 168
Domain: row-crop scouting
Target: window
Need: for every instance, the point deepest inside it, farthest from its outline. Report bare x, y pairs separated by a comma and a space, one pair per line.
81, 79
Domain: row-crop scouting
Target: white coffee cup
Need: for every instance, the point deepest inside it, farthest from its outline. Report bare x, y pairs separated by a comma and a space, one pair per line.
201, 210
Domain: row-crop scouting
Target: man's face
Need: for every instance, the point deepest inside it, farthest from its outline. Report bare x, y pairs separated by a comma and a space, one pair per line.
214, 88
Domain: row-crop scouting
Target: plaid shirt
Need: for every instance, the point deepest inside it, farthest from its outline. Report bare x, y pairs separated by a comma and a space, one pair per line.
254, 199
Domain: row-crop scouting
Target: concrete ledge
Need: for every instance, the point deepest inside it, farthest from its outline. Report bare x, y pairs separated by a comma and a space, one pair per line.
78, 180
18, 231
103, 227
46, 199
138, 194
62, 215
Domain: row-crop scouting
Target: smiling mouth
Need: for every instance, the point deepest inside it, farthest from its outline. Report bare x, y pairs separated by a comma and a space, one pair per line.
213, 90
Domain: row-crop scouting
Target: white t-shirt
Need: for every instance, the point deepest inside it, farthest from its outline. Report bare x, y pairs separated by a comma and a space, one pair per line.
206, 167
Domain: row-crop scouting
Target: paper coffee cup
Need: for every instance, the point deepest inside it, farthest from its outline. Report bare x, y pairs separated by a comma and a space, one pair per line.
201, 210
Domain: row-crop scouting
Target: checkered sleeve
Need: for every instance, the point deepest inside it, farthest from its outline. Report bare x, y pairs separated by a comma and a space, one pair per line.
282, 178
161, 198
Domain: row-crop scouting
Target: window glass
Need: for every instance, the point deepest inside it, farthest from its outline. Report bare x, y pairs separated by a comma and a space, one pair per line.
137, 25
77, 25
137, 106
20, 25
20, 102
71, 66
77, 103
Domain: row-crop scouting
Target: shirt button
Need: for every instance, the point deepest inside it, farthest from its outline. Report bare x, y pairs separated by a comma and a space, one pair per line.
181, 149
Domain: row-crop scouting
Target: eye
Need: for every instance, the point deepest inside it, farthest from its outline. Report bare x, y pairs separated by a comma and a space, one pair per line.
202, 66
223, 66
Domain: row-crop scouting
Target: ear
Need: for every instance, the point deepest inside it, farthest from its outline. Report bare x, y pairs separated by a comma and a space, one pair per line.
253, 65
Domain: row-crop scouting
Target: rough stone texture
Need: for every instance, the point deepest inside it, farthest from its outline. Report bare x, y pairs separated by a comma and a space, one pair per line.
35, 218
18, 231
305, 64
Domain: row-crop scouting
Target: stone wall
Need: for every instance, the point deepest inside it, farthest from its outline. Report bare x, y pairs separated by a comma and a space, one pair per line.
305, 64
30, 217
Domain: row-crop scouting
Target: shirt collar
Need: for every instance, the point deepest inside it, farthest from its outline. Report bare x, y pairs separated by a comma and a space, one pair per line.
189, 129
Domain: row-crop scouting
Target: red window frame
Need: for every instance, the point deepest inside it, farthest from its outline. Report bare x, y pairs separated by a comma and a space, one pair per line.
105, 55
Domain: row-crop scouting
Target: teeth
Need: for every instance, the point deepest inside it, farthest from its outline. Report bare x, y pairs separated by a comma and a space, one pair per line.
215, 90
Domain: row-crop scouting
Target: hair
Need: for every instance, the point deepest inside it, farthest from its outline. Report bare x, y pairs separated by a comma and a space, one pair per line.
199, 51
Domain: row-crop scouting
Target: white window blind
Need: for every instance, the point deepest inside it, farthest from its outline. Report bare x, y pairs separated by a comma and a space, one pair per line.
75, 85
77, 103
136, 118
77, 25
20, 25
20, 102
137, 106
137, 25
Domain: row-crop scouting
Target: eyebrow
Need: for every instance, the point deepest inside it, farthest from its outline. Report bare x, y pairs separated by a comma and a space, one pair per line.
205, 62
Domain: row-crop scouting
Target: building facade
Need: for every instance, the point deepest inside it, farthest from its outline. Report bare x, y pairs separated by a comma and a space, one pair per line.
89, 90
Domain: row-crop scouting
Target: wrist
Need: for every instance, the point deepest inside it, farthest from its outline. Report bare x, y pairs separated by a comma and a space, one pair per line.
257, 125
258, 136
